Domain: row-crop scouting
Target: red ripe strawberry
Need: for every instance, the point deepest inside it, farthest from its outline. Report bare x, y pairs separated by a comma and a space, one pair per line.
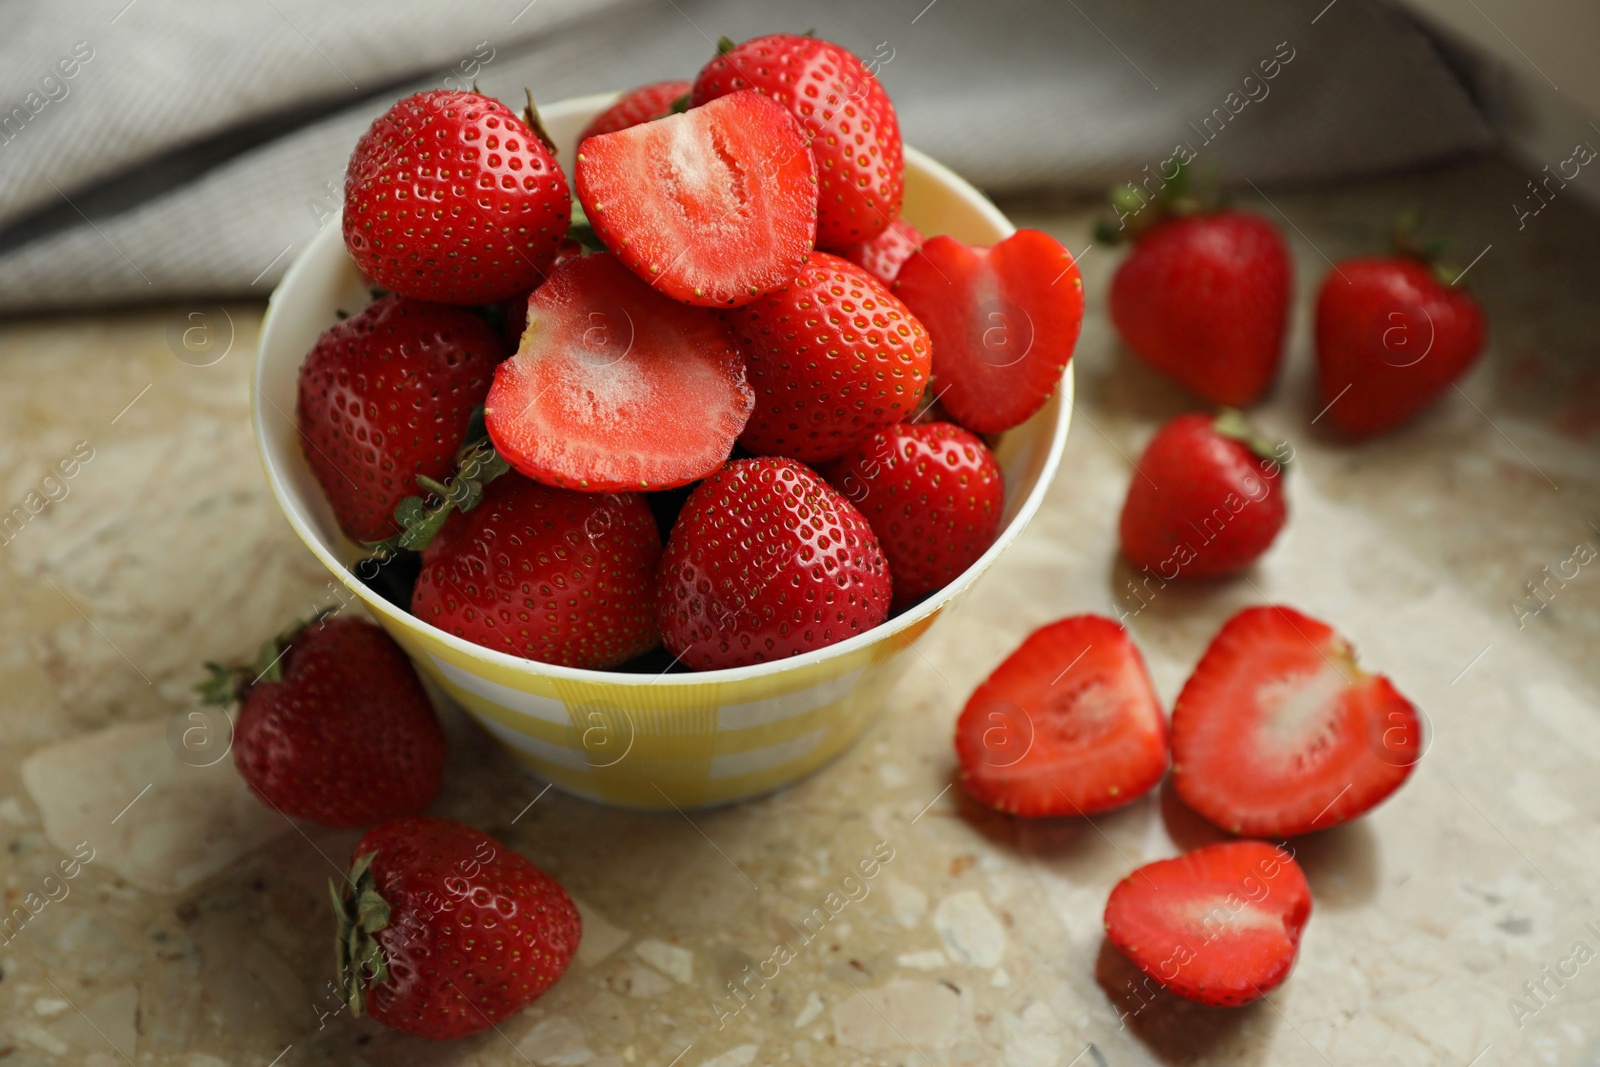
637, 106
450, 196
854, 133
831, 357
1204, 500
385, 396
1004, 321
548, 574
443, 931
1278, 731
767, 561
1390, 338
883, 255
616, 386
712, 207
1220, 925
333, 725
933, 494
1205, 299
1068, 724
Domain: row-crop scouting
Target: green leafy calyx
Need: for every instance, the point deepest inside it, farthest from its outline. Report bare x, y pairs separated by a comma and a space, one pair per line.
360, 913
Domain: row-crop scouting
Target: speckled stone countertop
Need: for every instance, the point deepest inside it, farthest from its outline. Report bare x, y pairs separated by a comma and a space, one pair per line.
192, 930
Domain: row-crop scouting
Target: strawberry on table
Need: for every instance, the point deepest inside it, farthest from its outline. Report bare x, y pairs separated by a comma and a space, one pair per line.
854, 133
1278, 731
767, 561
1004, 321
548, 574
1220, 925
450, 196
1391, 336
616, 387
444, 931
712, 207
333, 725
934, 496
637, 106
831, 357
1068, 724
1204, 501
883, 255
1205, 299
385, 397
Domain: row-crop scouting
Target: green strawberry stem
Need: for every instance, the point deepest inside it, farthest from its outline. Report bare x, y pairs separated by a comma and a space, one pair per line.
725, 44
227, 685
421, 519
1231, 423
1135, 210
679, 106
1404, 239
360, 913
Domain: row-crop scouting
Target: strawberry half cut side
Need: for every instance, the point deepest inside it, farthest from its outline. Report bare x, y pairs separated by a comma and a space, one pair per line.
712, 207
1004, 321
1279, 732
1068, 724
1220, 926
615, 386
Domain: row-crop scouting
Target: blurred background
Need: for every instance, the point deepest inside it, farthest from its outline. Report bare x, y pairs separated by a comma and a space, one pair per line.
162, 163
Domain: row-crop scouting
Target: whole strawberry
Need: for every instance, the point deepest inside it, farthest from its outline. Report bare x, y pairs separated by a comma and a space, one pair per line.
547, 574
1205, 499
443, 931
333, 725
855, 135
452, 197
1205, 299
644, 104
1391, 336
934, 496
767, 561
832, 356
386, 396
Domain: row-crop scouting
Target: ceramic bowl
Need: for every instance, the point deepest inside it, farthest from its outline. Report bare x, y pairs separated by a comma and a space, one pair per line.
638, 740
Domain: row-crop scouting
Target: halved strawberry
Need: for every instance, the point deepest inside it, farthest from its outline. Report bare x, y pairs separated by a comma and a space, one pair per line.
615, 386
1068, 724
883, 255
712, 207
635, 107
1278, 732
1220, 925
1004, 321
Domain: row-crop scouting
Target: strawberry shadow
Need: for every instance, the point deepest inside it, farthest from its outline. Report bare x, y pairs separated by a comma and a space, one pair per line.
1341, 863
1178, 1031
1076, 846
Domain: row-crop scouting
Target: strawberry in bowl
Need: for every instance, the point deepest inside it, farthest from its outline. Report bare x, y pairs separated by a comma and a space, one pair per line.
643, 508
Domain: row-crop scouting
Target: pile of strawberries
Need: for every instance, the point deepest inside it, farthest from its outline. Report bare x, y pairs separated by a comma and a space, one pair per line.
742, 416
731, 403
1277, 732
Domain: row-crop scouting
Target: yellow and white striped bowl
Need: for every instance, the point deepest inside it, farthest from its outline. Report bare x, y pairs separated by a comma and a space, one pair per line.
637, 740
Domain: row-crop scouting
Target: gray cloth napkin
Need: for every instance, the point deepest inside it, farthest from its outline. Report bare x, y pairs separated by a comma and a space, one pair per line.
165, 149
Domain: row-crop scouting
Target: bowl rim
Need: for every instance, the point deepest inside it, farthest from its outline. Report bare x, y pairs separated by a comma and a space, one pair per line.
331, 234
